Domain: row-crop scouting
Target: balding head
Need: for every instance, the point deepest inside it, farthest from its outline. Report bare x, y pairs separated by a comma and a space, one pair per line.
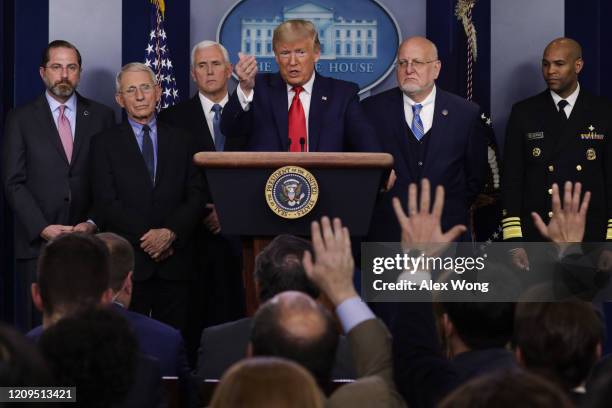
561, 64
292, 325
418, 67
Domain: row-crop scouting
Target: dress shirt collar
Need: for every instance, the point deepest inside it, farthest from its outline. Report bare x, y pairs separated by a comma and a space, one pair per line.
138, 126
571, 100
54, 104
431, 98
307, 86
207, 104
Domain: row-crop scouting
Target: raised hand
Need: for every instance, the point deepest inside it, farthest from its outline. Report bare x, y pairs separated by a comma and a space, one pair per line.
246, 69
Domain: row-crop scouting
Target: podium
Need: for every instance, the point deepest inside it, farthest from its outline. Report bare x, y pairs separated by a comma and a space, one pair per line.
346, 186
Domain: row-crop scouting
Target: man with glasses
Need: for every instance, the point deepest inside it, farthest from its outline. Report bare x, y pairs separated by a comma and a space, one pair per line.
45, 166
147, 189
296, 109
431, 134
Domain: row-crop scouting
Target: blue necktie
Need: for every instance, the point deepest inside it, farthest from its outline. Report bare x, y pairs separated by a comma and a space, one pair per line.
219, 137
147, 151
417, 125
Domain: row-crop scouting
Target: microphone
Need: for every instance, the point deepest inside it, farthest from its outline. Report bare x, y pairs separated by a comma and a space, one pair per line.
289, 145
302, 143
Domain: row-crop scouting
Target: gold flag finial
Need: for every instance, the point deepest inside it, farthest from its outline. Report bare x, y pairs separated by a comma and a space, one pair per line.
160, 4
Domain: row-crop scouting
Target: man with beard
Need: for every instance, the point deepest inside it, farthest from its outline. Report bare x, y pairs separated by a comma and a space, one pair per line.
431, 134
45, 166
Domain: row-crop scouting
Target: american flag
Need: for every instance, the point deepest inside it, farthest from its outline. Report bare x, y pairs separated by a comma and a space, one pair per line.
157, 56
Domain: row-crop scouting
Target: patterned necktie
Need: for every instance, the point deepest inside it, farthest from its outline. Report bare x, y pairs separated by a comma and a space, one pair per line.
562, 104
147, 151
297, 123
417, 125
65, 132
219, 137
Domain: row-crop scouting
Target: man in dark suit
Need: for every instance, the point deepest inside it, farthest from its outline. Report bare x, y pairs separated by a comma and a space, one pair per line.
147, 190
45, 165
296, 109
431, 134
278, 268
556, 136
217, 295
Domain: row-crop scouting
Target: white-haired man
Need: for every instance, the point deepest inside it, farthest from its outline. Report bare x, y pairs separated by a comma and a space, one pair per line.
147, 190
219, 256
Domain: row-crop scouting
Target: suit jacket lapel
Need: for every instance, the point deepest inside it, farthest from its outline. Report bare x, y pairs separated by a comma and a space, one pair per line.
131, 146
82, 123
163, 146
571, 127
44, 117
198, 118
278, 89
318, 102
402, 132
440, 130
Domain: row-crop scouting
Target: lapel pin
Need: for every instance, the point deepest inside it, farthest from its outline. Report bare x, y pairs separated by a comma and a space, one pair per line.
444, 112
324, 98
86, 113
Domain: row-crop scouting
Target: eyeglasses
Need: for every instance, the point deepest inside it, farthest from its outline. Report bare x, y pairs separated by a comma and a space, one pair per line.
144, 88
416, 64
57, 68
285, 55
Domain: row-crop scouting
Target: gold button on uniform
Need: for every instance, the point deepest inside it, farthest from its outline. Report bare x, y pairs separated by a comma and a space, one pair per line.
550, 191
550, 214
551, 168
579, 167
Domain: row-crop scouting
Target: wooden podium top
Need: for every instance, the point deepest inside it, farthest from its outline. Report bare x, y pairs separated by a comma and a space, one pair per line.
279, 159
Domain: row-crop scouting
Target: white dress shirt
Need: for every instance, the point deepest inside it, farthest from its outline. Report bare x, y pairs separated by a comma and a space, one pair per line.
427, 111
571, 100
207, 106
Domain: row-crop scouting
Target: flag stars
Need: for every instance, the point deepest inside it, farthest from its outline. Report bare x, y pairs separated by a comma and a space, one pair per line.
149, 49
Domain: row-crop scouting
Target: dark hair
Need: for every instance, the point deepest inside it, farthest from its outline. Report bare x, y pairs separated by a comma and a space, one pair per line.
278, 268
21, 364
507, 389
95, 351
482, 325
73, 272
558, 340
270, 336
58, 44
121, 258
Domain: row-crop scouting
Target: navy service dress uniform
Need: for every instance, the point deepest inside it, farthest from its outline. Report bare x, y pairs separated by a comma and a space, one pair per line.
542, 147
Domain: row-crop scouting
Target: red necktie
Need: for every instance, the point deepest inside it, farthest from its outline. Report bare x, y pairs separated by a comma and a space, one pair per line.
297, 123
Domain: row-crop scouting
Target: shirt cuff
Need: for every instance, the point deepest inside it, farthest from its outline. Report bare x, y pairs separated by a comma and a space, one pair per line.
245, 101
353, 312
90, 221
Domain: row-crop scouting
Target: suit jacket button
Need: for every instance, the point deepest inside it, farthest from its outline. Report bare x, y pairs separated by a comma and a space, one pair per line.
550, 191
550, 214
420, 163
551, 168
579, 167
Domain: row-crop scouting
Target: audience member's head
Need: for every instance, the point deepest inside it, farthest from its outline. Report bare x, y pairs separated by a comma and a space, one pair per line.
268, 382
73, 273
292, 325
558, 340
475, 325
20, 362
507, 389
278, 268
121, 266
95, 351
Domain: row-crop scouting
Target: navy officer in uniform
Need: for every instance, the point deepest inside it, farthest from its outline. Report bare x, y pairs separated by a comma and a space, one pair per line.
559, 135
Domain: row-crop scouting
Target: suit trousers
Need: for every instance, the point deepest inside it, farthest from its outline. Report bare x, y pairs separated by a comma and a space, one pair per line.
163, 300
26, 314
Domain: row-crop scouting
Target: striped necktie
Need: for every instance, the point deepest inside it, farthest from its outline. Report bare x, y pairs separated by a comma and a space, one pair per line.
417, 125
